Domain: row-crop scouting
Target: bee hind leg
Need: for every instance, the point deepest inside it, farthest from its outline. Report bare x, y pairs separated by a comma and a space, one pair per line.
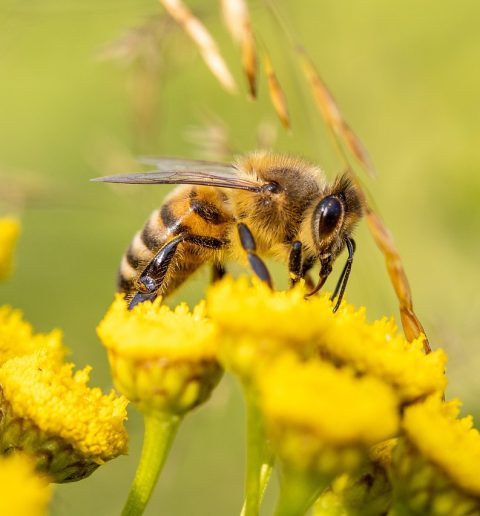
154, 274
256, 263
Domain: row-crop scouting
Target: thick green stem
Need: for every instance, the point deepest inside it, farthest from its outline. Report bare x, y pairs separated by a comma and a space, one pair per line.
160, 430
256, 479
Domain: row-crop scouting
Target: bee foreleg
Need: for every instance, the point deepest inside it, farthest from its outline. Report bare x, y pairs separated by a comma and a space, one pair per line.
154, 274
308, 263
295, 263
325, 270
257, 264
343, 279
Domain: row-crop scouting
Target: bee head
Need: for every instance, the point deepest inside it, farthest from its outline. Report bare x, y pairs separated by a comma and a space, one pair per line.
335, 216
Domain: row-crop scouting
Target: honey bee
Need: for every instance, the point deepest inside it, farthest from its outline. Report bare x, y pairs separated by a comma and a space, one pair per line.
264, 204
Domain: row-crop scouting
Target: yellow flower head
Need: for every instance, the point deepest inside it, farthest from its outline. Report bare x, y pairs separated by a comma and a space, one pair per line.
9, 231
22, 491
53, 415
161, 359
439, 459
17, 337
450, 443
323, 418
257, 323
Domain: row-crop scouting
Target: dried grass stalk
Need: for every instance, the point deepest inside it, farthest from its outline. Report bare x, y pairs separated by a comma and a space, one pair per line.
384, 240
344, 135
332, 115
204, 41
238, 22
276, 93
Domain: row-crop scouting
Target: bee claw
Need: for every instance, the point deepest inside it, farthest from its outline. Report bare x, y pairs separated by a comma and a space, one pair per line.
140, 297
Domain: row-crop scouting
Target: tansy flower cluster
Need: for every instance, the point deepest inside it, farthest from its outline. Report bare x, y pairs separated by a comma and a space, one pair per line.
48, 413
341, 407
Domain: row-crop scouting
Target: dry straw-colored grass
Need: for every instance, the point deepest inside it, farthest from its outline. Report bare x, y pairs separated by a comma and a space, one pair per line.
203, 40
237, 19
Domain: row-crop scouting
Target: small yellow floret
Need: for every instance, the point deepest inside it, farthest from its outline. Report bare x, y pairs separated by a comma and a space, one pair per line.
9, 231
17, 337
152, 330
22, 491
379, 349
322, 420
239, 307
337, 406
452, 444
61, 404
345, 337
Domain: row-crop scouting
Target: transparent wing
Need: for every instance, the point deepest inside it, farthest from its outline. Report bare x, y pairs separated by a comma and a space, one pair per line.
181, 171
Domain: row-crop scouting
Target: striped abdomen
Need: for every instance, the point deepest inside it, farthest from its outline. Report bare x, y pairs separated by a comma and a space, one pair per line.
202, 214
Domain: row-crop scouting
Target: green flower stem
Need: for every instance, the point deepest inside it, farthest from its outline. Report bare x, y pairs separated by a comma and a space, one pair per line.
265, 473
257, 460
160, 430
298, 492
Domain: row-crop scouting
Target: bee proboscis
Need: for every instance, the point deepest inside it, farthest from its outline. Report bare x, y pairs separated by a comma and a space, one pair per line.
264, 204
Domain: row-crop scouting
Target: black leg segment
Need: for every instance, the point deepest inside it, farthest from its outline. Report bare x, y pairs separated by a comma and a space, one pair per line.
218, 272
343, 279
256, 263
295, 263
325, 270
154, 274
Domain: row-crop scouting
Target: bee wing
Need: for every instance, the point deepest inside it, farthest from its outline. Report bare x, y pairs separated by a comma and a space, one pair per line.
193, 172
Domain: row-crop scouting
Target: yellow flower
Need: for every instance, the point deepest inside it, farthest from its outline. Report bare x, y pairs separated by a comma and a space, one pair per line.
9, 231
323, 418
239, 307
22, 491
161, 359
257, 323
380, 350
53, 415
17, 337
436, 467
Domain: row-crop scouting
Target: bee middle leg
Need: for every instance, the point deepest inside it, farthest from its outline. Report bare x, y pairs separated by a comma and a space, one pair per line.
256, 263
295, 263
299, 268
218, 272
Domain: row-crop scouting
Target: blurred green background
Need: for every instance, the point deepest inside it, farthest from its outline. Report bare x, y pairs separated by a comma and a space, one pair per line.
74, 106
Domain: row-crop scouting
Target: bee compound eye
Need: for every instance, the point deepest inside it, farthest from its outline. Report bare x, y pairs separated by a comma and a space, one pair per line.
272, 187
329, 212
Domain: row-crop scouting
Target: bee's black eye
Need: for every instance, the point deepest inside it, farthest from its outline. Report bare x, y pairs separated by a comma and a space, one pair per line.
328, 213
271, 187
